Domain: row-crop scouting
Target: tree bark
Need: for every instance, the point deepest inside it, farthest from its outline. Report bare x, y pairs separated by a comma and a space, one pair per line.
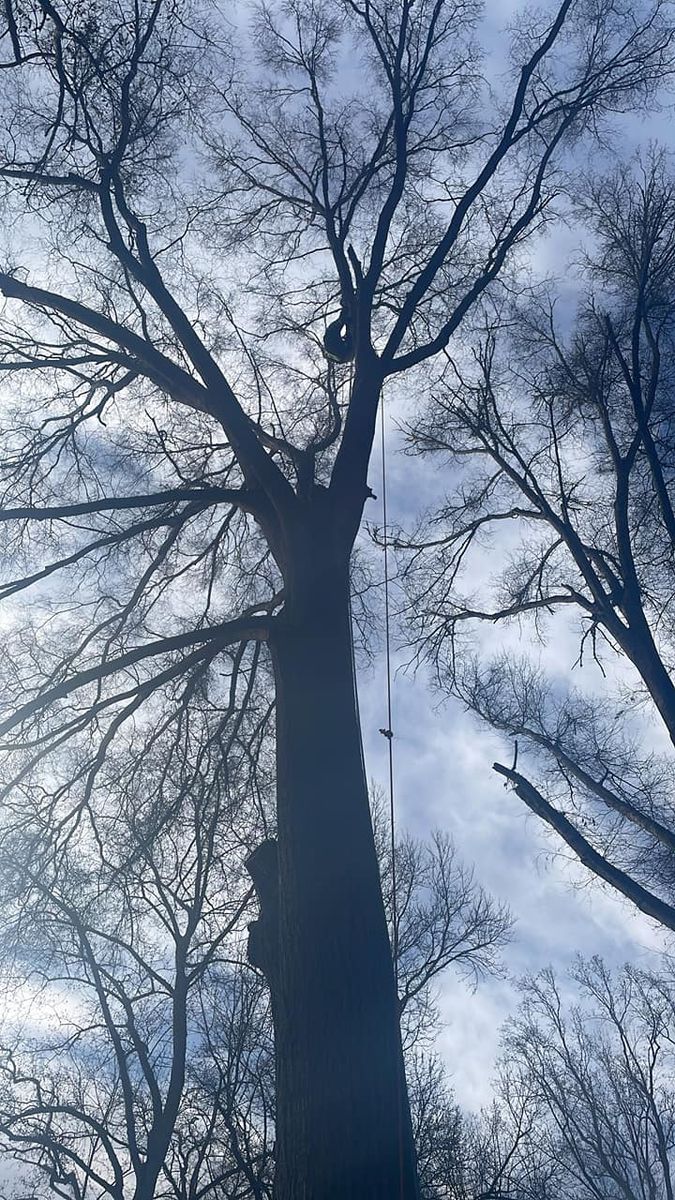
343, 1119
640, 647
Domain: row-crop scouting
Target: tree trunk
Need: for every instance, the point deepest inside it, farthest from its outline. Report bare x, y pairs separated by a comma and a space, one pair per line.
343, 1119
656, 677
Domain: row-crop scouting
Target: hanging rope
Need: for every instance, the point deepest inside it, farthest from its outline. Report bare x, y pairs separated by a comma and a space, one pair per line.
388, 732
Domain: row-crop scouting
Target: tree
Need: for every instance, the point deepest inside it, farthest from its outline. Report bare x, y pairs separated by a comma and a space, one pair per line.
140, 1059
200, 223
116, 919
580, 466
601, 1076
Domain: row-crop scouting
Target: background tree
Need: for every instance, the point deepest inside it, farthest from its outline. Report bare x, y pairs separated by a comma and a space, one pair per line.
497, 1154
562, 445
444, 919
116, 918
600, 1074
193, 224
139, 1058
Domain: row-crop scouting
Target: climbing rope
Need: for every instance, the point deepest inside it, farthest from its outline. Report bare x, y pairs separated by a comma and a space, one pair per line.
388, 732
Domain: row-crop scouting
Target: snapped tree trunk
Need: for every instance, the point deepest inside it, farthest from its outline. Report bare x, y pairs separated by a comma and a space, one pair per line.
343, 1119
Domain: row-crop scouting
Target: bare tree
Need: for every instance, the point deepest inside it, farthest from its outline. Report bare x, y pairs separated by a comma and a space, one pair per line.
140, 1060
601, 1076
115, 920
442, 919
224, 1140
219, 255
497, 1154
567, 446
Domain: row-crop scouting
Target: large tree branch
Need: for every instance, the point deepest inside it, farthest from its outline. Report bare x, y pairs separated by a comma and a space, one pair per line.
241, 497
646, 901
33, 174
609, 798
98, 1128
496, 259
212, 396
548, 603
172, 521
247, 628
159, 369
253, 459
472, 193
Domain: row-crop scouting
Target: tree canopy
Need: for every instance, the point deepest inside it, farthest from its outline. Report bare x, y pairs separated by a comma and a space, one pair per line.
219, 245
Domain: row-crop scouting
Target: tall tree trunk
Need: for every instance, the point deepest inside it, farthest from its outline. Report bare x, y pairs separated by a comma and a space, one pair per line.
343, 1120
